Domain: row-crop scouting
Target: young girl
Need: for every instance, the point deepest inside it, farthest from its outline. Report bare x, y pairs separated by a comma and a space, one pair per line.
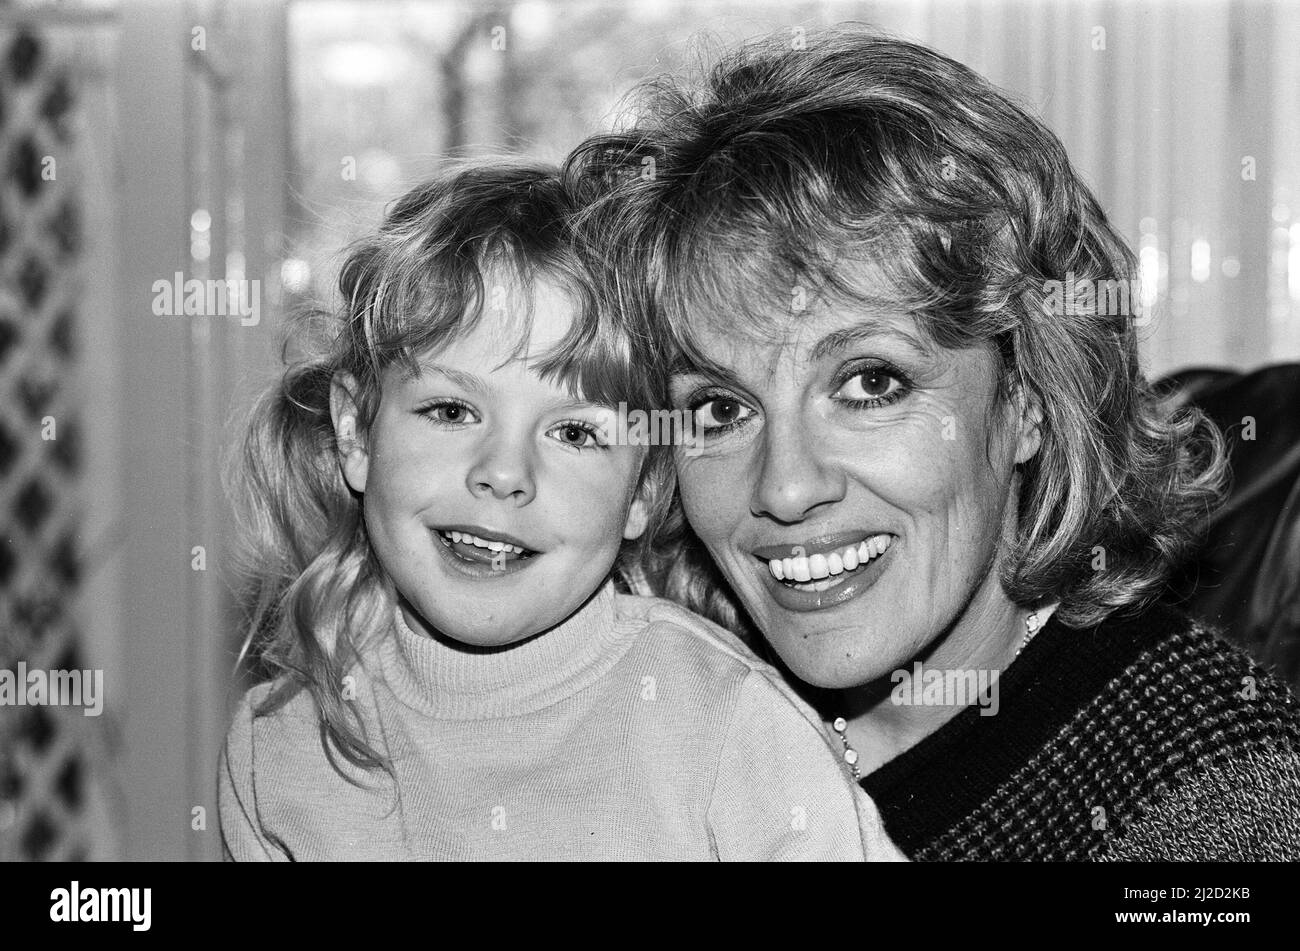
436, 507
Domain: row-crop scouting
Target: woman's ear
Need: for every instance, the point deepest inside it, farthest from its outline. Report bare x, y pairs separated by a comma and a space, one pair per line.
1029, 424
354, 458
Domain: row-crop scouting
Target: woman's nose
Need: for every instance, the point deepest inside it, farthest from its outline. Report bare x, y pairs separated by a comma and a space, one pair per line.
793, 479
503, 470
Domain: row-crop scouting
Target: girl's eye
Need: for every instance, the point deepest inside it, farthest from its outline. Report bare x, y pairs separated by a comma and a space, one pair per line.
448, 412
720, 412
874, 386
577, 435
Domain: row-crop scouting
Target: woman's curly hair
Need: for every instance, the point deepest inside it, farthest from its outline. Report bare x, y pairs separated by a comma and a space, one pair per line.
793, 167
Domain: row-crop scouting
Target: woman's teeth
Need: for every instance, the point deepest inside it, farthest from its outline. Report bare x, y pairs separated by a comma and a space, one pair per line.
814, 568
477, 542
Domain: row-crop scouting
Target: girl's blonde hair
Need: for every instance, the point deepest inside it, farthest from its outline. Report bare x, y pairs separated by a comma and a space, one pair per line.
312, 591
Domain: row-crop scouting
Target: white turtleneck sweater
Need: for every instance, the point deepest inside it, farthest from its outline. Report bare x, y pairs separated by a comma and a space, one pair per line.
634, 731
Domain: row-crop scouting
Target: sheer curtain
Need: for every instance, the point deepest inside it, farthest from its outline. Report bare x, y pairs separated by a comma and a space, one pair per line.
1181, 113
1183, 116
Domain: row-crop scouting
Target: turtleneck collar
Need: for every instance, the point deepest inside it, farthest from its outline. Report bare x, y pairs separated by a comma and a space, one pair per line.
449, 683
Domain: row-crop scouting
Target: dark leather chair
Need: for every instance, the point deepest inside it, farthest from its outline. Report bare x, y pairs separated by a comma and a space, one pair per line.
1245, 577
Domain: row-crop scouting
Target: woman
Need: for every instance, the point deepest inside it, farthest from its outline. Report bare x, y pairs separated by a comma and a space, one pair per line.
926, 465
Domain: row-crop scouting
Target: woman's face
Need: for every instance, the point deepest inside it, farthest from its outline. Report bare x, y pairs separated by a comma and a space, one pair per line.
874, 468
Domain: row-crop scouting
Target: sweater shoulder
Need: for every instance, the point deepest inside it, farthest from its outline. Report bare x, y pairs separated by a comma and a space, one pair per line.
1215, 738
1231, 808
1173, 692
1205, 693
701, 639
275, 704
275, 727
1193, 750
723, 671
277, 738
1102, 731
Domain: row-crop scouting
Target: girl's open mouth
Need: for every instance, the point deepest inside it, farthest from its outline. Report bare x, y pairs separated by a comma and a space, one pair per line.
483, 549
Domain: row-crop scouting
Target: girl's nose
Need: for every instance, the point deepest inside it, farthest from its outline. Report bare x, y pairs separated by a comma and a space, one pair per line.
503, 471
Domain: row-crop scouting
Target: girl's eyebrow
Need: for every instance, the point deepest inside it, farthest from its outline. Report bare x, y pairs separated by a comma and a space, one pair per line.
461, 378
474, 382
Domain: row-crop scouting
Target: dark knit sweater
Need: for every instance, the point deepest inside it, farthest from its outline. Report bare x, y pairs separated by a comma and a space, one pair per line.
1142, 739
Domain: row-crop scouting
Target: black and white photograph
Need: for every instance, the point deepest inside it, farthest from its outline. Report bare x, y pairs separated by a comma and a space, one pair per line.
584, 431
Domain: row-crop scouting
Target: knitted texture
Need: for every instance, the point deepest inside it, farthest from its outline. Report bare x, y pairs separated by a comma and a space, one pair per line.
1142, 739
633, 731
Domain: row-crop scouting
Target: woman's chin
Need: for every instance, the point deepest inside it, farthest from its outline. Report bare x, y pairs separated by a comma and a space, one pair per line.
834, 658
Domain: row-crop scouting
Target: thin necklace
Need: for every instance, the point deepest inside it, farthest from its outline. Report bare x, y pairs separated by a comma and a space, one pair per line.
1033, 624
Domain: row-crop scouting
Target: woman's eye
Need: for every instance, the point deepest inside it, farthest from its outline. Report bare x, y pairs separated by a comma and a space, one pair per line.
578, 435
720, 413
869, 386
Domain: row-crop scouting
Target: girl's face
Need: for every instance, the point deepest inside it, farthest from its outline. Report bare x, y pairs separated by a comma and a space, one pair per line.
493, 499
873, 468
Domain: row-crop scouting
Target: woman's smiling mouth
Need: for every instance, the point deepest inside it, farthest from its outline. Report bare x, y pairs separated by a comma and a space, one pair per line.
843, 561
824, 572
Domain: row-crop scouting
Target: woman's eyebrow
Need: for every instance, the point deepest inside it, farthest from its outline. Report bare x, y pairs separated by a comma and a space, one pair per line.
576, 403
710, 371
863, 331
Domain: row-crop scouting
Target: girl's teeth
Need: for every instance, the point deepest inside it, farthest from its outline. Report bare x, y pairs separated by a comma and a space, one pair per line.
816, 568
468, 539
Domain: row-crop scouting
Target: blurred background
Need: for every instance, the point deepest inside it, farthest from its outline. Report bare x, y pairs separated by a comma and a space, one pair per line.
253, 140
